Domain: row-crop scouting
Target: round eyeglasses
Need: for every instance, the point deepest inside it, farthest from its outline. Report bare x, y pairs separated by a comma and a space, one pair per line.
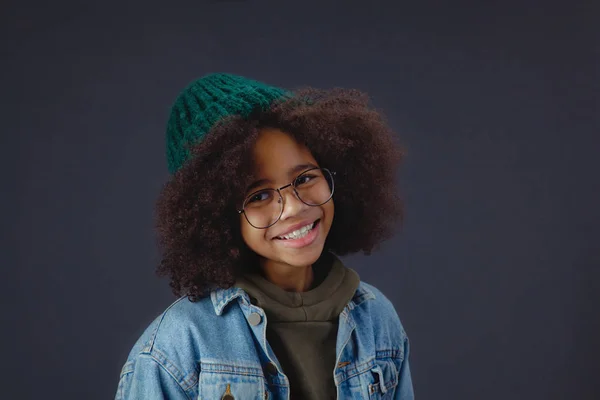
313, 187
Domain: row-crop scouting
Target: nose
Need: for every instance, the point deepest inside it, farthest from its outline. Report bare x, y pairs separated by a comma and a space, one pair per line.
291, 203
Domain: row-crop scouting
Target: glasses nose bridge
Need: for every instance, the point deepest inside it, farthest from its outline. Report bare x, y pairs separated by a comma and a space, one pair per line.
281, 195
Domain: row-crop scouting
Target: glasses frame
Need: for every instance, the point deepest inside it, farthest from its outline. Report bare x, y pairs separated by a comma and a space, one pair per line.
331, 173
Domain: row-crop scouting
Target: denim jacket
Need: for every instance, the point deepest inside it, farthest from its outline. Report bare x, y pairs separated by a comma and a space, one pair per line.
216, 348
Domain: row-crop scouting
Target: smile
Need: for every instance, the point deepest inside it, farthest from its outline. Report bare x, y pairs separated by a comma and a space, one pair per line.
299, 233
302, 237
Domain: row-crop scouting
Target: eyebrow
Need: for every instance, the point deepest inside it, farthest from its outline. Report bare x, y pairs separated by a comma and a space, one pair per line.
292, 171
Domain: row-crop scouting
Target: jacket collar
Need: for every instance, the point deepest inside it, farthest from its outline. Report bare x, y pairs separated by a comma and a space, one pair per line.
222, 297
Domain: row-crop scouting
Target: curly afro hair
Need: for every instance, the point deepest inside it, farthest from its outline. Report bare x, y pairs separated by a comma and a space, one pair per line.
197, 220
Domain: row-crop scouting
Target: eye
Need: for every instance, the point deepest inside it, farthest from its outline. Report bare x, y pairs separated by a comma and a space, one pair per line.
303, 179
258, 197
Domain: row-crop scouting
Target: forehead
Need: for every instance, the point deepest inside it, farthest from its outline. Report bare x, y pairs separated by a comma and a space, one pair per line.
276, 152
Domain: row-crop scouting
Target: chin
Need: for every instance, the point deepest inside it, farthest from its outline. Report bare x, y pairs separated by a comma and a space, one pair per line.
303, 258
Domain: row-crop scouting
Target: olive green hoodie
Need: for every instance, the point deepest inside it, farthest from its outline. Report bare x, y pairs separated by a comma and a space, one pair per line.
302, 326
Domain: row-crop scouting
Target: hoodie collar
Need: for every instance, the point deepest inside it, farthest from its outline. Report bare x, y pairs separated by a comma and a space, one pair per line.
222, 297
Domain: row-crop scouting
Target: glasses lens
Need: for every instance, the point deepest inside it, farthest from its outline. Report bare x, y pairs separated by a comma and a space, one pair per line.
314, 187
263, 208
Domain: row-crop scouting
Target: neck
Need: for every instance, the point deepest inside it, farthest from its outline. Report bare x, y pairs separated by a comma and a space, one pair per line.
287, 277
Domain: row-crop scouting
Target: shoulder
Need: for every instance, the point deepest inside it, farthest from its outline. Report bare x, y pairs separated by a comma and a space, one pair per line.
169, 338
163, 359
173, 346
381, 309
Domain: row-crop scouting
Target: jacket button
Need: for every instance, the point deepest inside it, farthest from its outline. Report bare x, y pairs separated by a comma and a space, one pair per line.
271, 369
228, 395
254, 319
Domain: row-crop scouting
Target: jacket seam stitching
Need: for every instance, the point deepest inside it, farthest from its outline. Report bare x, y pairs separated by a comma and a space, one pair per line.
164, 368
229, 369
152, 339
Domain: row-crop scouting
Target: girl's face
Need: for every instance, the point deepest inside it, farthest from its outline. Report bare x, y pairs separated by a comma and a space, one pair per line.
279, 159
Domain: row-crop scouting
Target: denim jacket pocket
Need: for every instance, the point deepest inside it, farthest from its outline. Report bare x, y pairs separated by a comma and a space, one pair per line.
225, 382
384, 379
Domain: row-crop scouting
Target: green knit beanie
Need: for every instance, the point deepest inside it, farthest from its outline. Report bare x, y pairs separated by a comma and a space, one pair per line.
208, 100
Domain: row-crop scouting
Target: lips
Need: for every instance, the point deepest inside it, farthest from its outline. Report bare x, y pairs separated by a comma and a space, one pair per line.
294, 228
307, 240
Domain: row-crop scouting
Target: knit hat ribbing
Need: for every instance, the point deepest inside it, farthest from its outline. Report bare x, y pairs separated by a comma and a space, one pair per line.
208, 100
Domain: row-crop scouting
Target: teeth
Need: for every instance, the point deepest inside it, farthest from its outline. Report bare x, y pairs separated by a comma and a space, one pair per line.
300, 233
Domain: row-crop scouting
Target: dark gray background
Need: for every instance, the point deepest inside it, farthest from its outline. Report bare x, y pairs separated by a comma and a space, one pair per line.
495, 272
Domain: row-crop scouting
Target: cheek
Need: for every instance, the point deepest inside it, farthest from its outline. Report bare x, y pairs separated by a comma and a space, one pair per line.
329, 212
251, 236
245, 229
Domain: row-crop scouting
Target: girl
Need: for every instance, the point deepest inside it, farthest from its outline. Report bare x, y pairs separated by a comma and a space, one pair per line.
268, 188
